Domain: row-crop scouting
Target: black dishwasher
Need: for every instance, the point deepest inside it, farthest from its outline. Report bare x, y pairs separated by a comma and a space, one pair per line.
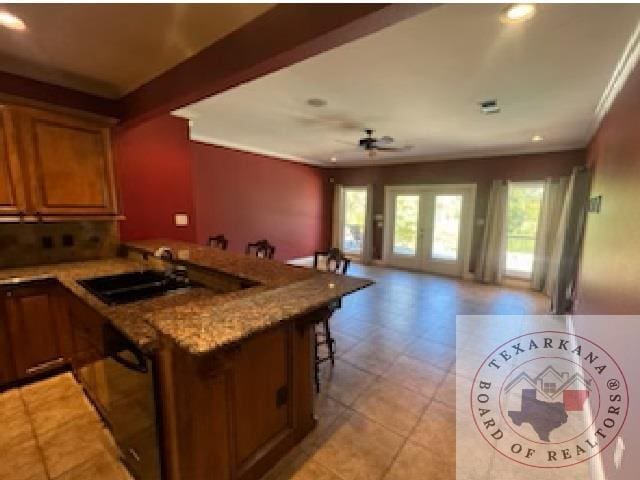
132, 410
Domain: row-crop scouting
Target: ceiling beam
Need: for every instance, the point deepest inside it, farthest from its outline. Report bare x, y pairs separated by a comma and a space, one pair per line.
282, 36
17, 88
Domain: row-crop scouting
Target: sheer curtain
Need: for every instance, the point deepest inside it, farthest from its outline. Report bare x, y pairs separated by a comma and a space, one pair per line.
367, 241
550, 212
490, 265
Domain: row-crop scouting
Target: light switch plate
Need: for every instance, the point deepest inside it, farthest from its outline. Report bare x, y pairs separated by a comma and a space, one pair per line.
181, 219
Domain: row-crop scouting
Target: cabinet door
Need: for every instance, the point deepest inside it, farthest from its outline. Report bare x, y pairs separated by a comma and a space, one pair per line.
7, 366
70, 164
12, 200
34, 321
261, 392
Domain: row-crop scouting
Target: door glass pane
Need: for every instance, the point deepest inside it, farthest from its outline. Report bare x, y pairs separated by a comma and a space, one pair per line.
405, 226
522, 223
355, 208
446, 227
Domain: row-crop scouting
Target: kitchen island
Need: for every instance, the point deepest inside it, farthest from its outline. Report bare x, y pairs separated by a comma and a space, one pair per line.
232, 359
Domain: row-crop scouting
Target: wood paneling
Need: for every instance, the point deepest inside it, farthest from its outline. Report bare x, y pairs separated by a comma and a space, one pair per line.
71, 170
12, 199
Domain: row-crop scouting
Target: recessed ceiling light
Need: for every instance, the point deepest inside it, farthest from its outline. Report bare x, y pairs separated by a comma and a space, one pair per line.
333, 159
537, 138
518, 12
9, 20
316, 102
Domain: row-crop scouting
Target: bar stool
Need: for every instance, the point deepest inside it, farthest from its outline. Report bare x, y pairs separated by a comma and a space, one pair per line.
337, 263
218, 242
261, 249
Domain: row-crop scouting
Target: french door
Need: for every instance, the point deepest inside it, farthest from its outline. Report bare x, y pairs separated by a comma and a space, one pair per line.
429, 227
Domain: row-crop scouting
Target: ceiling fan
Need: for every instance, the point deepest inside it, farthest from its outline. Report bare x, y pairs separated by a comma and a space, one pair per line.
372, 145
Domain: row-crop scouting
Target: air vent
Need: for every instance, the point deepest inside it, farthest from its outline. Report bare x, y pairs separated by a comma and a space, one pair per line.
489, 107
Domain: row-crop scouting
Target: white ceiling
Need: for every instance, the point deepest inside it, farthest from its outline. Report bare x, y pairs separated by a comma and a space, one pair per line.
110, 49
420, 82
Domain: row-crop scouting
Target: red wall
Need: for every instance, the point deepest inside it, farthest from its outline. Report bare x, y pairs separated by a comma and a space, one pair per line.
153, 164
248, 197
610, 268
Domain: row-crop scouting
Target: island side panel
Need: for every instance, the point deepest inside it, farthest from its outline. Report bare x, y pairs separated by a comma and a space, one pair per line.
233, 413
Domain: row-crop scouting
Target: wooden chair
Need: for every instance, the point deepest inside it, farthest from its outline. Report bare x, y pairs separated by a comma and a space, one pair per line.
218, 242
261, 249
335, 262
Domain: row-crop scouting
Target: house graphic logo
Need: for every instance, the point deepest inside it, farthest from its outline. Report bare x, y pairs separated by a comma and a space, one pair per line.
549, 399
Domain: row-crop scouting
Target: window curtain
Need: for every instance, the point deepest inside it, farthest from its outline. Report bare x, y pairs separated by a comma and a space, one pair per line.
553, 198
338, 199
563, 263
490, 265
367, 247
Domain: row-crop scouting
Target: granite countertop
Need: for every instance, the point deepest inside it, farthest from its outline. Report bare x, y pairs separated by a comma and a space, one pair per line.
201, 320
286, 291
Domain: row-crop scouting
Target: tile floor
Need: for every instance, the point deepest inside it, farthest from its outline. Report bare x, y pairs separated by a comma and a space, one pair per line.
386, 409
50, 431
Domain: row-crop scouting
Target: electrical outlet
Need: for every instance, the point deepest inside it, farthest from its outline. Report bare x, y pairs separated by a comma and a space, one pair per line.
67, 240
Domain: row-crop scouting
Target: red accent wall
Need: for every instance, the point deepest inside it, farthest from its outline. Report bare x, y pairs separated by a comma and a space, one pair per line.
153, 166
610, 267
248, 197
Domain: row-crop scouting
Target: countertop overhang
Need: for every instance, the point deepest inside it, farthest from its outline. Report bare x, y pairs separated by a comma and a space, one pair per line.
201, 320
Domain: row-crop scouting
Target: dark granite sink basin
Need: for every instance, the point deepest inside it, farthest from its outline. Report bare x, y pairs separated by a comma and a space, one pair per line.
135, 286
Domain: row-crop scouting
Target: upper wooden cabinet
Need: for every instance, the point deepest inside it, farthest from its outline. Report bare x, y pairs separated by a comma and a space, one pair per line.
12, 199
59, 165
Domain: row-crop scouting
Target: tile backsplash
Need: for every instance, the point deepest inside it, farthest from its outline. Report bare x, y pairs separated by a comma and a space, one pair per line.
38, 243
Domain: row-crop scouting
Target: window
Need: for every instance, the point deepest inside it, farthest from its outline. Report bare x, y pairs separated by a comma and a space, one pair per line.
446, 227
522, 224
549, 388
355, 210
405, 227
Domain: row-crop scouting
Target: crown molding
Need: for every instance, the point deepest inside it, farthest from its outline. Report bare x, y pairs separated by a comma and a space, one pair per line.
624, 67
245, 148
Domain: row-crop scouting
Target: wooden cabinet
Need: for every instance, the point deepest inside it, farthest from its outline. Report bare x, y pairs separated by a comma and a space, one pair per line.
35, 327
58, 165
234, 413
12, 199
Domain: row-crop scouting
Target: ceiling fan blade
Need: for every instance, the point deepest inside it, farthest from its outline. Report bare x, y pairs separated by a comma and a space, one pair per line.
393, 149
351, 144
385, 140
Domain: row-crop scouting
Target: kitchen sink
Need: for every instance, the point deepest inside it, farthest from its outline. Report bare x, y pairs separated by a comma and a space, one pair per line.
135, 286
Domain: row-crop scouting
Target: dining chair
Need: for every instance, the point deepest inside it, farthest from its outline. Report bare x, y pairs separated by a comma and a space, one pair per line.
219, 241
261, 249
334, 262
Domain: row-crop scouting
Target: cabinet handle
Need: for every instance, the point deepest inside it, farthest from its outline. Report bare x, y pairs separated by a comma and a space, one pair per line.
45, 366
134, 454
